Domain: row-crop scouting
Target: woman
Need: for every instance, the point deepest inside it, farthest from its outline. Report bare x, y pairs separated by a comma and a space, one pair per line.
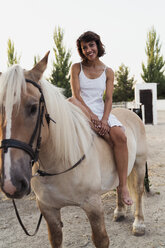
89, 80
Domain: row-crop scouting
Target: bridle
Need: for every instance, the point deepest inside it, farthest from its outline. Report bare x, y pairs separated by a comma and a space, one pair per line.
34, 153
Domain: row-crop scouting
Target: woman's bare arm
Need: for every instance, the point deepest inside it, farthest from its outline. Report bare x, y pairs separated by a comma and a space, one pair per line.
75, 86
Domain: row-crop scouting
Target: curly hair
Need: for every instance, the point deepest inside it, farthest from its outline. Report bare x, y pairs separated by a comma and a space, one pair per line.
87, 37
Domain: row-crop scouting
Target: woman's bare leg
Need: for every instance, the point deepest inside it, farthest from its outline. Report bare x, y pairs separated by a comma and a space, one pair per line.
121, 157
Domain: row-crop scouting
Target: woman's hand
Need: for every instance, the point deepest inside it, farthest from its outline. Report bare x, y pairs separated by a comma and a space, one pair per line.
95, 120
104, 127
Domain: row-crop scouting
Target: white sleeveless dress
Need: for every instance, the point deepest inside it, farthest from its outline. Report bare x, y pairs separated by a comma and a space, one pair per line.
91, 91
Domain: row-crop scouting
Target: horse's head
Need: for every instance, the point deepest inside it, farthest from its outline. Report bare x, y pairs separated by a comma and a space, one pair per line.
20, 116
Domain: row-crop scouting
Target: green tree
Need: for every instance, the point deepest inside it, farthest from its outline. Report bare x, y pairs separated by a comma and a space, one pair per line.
12, 55
61, 66
123, 88
153, 72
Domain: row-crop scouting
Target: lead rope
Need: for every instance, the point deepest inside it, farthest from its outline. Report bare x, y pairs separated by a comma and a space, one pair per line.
21, 223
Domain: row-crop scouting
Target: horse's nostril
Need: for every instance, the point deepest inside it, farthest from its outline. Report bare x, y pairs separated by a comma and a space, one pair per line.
16, 190
23, 185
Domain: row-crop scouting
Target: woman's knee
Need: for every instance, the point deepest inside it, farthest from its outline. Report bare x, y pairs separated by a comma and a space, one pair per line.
72, 99
118, 136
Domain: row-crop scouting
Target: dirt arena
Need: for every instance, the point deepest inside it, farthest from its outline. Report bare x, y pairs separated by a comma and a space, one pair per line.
77, 233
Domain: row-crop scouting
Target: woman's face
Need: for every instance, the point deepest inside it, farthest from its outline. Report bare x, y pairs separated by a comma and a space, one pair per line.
90, 50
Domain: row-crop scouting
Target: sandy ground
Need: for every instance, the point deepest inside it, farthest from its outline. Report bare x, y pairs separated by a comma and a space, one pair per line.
76, 226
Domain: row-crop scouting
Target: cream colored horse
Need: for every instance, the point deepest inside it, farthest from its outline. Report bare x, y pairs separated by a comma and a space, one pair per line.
62, 145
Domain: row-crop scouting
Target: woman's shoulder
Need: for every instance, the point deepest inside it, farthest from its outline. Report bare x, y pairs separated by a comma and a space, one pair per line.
76, 67
109, 72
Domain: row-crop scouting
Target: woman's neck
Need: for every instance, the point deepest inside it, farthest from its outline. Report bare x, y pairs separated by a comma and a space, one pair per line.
92, 63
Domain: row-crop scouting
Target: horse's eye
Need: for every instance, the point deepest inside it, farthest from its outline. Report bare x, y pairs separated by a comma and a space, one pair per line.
33, 109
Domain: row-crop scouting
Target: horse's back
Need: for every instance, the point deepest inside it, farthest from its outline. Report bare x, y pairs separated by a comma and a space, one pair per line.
128, 118
133, 126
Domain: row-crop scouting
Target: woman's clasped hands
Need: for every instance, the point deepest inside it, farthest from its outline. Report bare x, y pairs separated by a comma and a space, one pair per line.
101, 126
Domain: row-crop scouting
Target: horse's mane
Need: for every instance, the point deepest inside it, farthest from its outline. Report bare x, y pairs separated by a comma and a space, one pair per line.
11, 84
71, 136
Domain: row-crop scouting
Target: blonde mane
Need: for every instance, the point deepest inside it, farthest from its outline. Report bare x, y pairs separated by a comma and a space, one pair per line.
12, 83
71, 136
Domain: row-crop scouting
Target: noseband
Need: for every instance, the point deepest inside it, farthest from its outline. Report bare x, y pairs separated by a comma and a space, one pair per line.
34, 153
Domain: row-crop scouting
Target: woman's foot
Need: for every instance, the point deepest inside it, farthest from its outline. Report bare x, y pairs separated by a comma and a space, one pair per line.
124, 195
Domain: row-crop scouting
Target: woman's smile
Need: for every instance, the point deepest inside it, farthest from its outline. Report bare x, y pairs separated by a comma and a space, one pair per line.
89, 49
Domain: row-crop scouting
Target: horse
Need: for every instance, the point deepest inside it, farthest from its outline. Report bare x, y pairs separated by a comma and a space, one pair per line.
37, 123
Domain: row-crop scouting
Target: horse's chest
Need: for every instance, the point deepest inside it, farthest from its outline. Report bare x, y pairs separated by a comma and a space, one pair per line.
53, 192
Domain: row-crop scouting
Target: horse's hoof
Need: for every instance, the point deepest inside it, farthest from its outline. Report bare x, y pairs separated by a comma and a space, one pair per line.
119, 215
138, 229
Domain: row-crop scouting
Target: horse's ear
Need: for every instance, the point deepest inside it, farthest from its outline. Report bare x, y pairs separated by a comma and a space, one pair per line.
40, 67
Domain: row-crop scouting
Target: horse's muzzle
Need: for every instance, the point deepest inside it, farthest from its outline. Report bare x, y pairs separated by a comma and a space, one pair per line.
18, 190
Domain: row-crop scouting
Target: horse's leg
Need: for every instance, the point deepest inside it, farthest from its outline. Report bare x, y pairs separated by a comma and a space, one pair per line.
136, 184
54, 224
120, 210
94, 210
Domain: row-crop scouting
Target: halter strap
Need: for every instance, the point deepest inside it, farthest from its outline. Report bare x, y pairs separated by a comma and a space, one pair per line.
43, 173
6, 143
35, 84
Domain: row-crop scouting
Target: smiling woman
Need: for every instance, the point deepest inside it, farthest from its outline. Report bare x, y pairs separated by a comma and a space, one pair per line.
93, 41
89, 80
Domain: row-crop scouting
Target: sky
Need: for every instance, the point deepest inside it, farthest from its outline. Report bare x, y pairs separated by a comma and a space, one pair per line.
122, 25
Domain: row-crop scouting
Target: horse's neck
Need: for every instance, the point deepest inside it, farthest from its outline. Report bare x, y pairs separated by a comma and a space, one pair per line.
70, 138
48, 161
